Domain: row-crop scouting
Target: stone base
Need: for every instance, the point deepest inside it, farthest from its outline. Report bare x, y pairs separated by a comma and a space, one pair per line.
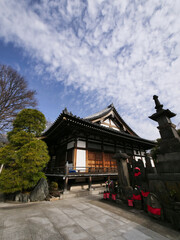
170, 145
175, 156
173, 217
168, 163
172, 166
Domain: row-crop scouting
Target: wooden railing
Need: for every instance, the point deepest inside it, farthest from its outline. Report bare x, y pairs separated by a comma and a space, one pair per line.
81, 170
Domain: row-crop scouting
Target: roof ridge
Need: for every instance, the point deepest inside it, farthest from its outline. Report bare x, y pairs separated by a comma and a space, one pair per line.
103, 111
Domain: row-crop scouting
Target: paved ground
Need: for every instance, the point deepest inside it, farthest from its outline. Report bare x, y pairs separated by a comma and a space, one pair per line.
77, 218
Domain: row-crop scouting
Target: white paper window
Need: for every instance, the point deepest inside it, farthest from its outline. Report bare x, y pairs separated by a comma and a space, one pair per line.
152, 163
144, 161
70, 145
81, 144
137, 158
81, 160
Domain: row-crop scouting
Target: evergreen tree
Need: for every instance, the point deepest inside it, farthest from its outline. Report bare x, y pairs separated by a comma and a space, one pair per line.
25, 157
30, 121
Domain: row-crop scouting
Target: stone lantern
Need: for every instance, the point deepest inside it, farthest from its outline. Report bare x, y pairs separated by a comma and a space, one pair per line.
169, 158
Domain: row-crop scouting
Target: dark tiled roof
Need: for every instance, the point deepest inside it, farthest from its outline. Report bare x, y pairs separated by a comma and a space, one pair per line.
107, 110
68, 116
101, 113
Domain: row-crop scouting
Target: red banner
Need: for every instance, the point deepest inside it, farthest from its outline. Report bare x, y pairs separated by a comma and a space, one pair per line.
137, 197
144, 194
104, 196
155, 211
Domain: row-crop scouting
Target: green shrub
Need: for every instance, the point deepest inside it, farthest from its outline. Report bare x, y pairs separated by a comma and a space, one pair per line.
54, 185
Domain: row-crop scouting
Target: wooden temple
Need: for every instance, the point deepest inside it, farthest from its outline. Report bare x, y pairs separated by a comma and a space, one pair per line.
82, 149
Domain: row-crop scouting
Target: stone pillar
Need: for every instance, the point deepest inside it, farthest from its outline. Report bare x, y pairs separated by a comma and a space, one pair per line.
123, 173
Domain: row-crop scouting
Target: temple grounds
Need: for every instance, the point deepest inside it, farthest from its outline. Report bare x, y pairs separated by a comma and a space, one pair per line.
87, 217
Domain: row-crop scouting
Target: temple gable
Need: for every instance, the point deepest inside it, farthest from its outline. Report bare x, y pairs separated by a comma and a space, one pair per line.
110, 118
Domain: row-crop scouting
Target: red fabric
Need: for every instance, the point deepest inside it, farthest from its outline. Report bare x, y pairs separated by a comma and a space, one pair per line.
136, 197
137, 168
107, 195
130, 202
137, 174
114, 197
145, 194
155, 211
104, 196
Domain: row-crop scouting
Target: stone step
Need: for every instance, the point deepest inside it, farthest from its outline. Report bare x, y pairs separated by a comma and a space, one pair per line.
80, 193
86, 186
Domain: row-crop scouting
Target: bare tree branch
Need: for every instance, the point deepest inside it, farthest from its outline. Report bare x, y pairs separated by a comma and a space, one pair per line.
14, 96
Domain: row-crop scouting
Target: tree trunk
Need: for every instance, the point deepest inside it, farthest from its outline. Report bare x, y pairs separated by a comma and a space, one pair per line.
1, 168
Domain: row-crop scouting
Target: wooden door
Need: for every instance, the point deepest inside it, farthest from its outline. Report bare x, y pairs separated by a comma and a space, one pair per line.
109, 162
95, 161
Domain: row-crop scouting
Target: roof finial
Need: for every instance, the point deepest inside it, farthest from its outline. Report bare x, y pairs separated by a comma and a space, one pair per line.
65, 111
111, 105
158, 106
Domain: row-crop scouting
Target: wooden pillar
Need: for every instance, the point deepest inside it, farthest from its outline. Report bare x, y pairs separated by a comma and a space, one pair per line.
66, 184
90, 183
75, 156
103, 159
87, 162
103, 155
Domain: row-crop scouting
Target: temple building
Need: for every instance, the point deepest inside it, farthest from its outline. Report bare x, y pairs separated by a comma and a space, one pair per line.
82, 149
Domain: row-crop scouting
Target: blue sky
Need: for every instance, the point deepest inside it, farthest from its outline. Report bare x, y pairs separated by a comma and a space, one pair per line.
86, 54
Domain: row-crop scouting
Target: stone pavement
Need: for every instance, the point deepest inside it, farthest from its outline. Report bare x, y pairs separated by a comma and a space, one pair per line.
75, 219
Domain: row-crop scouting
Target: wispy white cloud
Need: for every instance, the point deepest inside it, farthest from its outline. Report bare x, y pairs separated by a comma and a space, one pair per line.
121, 51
